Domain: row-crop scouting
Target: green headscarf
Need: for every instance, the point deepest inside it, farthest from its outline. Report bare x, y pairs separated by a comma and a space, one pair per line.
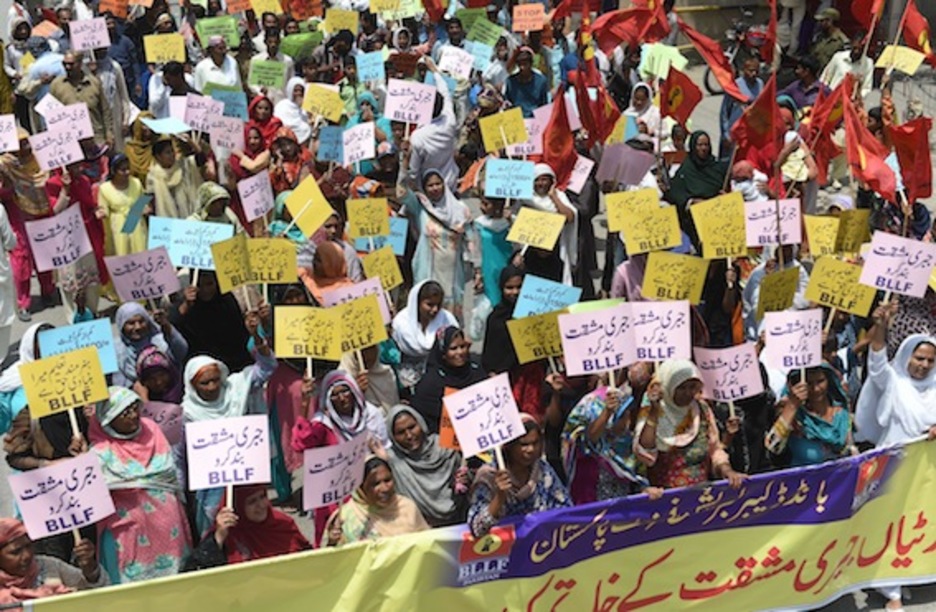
697, 178
120, 399
279, 224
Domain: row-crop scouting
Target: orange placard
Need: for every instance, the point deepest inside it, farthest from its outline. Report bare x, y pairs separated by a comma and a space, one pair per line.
46, 29
238, 6
447, 437
117, 7
528, 17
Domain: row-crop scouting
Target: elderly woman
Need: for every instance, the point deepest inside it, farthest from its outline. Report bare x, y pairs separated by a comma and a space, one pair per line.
25, 575
137, 330
148, 536
560, 264
526, 484
676, 434
214, 206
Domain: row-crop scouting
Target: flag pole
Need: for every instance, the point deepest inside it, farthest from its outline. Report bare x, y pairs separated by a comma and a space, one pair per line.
900, 26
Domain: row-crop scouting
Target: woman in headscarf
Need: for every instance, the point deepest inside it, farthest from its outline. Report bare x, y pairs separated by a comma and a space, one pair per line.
449, 367
261, 116
433, 477
158, 377
251, 530
255, 157
139, 147
282, 222
441, 221
369, 110
290, 112
173, 181
525, 485
547, 198
375, 509
137, 330
700, 177
291, 162
676, 435
382, 388
12, 393
415, 327
214, 206
148, 536
116, 197
648, 115
329, 271
25, 575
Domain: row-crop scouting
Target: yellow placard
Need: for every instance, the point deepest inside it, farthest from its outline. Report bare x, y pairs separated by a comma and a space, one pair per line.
624, 203
652, 229
720, 224
670, 276
932, 280
383, 263
503, 129
853, 231
308, 206
621, 128
368, 217
320, 101
380, 6
777, 291
536, 337
339, 19
162, 48
231, 261
266, 6
272, 260
821, 232
306, 331
60, 382
904, 59
834, 283
536, 228
361, 323
26, 61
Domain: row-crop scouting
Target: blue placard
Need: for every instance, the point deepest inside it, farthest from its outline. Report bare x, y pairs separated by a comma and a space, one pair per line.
136, 213
188, 242
507, 178
631, 129
450, 81
96, 333
235, 103
482, 54
539, 295
330, 144
169, 125
396, 239
370, 67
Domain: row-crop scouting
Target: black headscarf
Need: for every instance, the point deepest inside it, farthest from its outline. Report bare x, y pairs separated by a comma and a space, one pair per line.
499, 354
697, 178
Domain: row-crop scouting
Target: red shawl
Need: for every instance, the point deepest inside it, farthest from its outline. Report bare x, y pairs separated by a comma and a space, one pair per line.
267, 128
14, 589
277, 535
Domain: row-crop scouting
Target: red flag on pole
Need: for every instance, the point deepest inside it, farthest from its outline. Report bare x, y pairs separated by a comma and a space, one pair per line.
558, 142
435, 9
600, 115
770, 41
761, 126
678, 96
713, 55
632, 26
911, 142
866, 156
916, 32
864, 12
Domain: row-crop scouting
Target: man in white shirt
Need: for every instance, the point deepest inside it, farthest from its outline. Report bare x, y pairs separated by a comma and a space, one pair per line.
852, 61
273, 53
218, 68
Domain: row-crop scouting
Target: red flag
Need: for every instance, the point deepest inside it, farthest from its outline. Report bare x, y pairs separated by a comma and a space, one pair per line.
632, 26
761, 126
435, 9
558, 142
916, 32
864, 11
826, 116
911, 142
770, 40
712, 53
678, 96
866, 156
600, 115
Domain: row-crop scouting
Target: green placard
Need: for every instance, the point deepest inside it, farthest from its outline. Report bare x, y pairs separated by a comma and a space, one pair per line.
267, 73
484, 31
301, 45
470, 15
225, 26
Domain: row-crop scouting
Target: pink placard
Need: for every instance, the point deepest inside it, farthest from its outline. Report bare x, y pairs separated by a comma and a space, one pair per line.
536, 128
168, 417
226, 132
73, 118
794, 339
9, 140
144, 275
409, 101
580, 174
56, 148
200, 109
575, 122
332, 473
484, 415
177, 106
898, 265
370, 286
597, 341
256, 195
233, 451
47, 103
69, 494
457, 62
661, 330
731, 373
89, 34
60, 240
358, 143
528, 17
760, 222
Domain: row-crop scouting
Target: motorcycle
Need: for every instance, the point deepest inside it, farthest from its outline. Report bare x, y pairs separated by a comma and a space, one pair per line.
742, 40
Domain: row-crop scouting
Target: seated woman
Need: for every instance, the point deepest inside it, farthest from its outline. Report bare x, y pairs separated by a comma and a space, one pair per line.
526, 484
676, 434
253, 529
814, 423
148, 536
375, 509
25, 575
415, 328
138, 330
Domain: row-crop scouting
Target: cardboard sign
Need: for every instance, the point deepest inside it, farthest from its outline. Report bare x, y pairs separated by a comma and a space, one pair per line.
481, 53
904, 59
199, 110
362, 323
625, 204
330, 144
580, 174
535, 127
368, 217
69, 380
144, 275
383, 263
58, 241
899, 265
117, 7
89, 34
256, 195
661, 330
306, 331
536, 228
9, 139
447, 437
371, 286
359, 143
235, 102
729, 374
308, 206
226, 132
409, 102
224, 26
322, 101
484, 415
164, 48
96, 333
793, 339
503, 129
68, 494
169, 125
720, 223
761, 222
266, 6
56, 149
338, 19
777, 291
506, 178
539, 295
72, 118
46, 104
456, 62
238, 6
853, 231
383, 6
370, 67
622, 164
188, 242
231, 451
836, 284
168, 417
230, 260
652, 229
486, 32
136, 213
597, 341
331, 473
821, 232
267, 73
536, 337
670, 276
528, 17
272, 260
396, 240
